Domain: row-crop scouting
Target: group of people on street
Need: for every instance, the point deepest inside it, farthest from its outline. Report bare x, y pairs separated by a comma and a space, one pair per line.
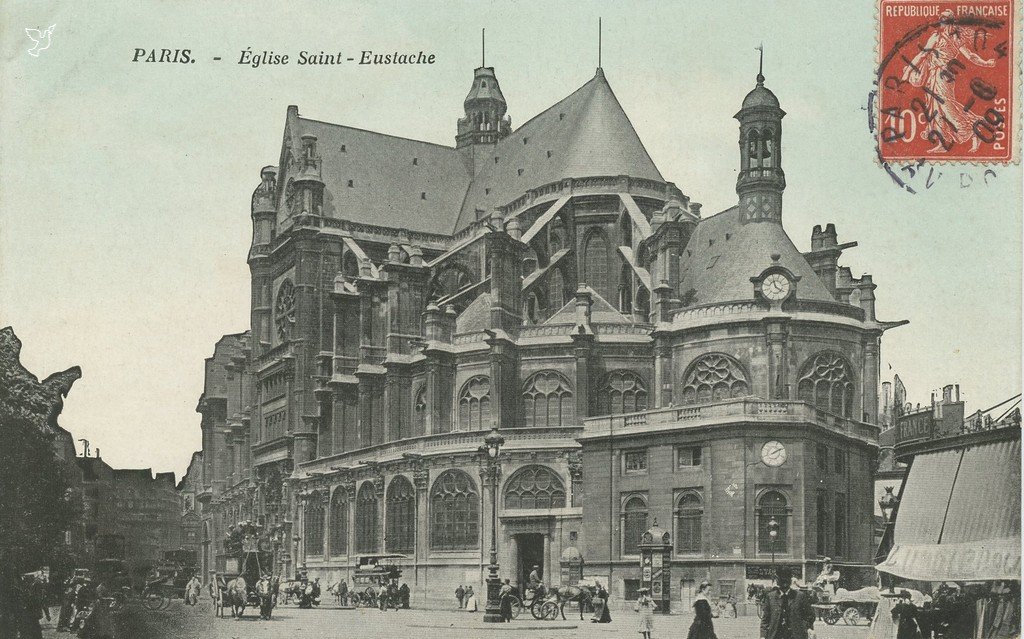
466, 598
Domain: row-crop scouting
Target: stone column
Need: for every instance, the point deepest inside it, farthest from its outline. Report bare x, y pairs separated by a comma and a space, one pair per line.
776, 334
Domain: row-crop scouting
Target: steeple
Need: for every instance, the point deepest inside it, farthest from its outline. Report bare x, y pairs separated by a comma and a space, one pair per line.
485, 121
761, 180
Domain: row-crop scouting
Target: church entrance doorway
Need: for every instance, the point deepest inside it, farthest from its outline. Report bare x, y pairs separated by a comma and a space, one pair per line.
530, 552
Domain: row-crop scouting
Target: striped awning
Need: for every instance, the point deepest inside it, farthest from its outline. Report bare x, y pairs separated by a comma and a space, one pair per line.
959, 516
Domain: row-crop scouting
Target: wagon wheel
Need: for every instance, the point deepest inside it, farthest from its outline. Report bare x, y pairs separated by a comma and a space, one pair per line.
517, 606
851, 616
152, 600
831, 616
550, 610
166, 602
537, 608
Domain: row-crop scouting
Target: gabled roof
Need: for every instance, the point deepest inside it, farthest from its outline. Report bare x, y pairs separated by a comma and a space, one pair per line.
586, 134
601, 312
396, 182
723, 254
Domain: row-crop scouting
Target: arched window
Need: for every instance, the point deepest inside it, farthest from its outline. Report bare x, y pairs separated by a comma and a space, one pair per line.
449, 281
556, 289
621, 391
350, 265
714, 377
626, 289
400, 532
314, 527
454, 512
339, 522
548, 400
535, 487
634, 524
531, 308
772, 506
753, 147
419, 410
366, 519
689, 515
827, 382
643, 303
596, 269
475, 404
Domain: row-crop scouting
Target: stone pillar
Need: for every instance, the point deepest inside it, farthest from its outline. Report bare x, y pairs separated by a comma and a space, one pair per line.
662, 373
583, 345
870, 377
505, 395
776, 334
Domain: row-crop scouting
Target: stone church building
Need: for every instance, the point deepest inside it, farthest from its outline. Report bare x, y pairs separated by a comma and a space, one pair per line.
644, 363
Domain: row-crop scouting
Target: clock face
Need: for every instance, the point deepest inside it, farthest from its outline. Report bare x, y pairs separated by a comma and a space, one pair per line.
773, 453
776, 287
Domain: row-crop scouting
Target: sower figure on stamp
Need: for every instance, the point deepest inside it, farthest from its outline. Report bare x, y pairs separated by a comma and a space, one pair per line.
948, 118
788, 613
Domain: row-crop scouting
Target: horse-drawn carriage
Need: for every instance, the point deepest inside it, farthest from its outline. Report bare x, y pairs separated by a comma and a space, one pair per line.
239, 590
374, 577
549, 603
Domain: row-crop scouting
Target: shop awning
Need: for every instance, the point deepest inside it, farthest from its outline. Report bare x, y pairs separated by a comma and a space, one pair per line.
959, 516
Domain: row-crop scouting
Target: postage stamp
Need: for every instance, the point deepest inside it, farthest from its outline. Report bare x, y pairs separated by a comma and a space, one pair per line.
946, 80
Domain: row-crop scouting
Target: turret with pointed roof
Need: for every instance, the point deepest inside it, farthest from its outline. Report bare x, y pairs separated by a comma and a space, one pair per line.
761, 180
485, 121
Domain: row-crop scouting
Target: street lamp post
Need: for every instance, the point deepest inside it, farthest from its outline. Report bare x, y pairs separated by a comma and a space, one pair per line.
888, 503
773, 534
492, 448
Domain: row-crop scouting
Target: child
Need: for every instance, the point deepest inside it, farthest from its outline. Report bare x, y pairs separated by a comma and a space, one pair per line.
645, 609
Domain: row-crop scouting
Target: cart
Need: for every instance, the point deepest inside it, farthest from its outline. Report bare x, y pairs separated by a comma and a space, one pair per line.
373, 574
853, 607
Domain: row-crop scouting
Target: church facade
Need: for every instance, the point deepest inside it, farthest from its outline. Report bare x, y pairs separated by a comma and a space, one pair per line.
643, 363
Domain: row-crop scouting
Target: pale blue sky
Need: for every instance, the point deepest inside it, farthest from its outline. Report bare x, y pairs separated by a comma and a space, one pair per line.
124, 188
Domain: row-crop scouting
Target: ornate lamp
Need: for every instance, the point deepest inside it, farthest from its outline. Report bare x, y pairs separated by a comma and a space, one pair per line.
888, 503
773, 534
492, 448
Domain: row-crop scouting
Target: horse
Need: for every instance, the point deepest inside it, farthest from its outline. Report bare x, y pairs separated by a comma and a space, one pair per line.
581, 595
237, 596
758, 594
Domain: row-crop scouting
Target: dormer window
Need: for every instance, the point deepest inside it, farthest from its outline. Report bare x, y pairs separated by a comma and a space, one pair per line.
415, 161
561, 116
519, 171
487, 190
351, 183
525, 140
495, 159
342, 148
483, 84
549, 153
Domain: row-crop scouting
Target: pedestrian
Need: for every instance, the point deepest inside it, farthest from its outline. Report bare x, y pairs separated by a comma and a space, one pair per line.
788, 613
601, 613
471, 600
460, 596
403, 595
505, 601
67, 604
644, 608
343, 592
265, 590
192, 590
905, 614
702, 627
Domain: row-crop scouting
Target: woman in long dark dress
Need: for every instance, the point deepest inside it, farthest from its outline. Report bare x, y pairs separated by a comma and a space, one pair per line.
702, 626
601, 614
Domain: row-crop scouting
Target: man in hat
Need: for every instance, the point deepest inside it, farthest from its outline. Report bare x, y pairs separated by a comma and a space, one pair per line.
533, 581
788, 613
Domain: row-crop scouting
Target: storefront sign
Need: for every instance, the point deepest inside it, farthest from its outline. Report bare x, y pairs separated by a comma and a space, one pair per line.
988, 560
767, 571
914, 427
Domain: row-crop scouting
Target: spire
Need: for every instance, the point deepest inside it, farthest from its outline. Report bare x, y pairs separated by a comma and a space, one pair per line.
599, 44
760, 64
483, 47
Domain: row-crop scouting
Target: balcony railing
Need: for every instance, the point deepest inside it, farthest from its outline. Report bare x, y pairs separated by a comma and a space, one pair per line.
750, 409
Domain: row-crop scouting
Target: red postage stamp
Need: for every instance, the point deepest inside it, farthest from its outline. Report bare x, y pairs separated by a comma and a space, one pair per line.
946, 80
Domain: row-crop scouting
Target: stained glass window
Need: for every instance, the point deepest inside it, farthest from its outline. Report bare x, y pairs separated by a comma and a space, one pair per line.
827, 382
339, 522
284, 309
475, 404
535, 487
454, 512
400, 533
366, 519
314, 527
596, 258
689, 515
714, 377
548, 400
621, 391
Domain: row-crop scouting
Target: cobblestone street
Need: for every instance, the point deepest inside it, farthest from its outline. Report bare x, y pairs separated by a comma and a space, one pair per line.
199, 623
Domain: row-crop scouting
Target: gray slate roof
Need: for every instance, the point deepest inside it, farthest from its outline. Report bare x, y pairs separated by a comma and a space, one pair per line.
723, 254
586, 133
